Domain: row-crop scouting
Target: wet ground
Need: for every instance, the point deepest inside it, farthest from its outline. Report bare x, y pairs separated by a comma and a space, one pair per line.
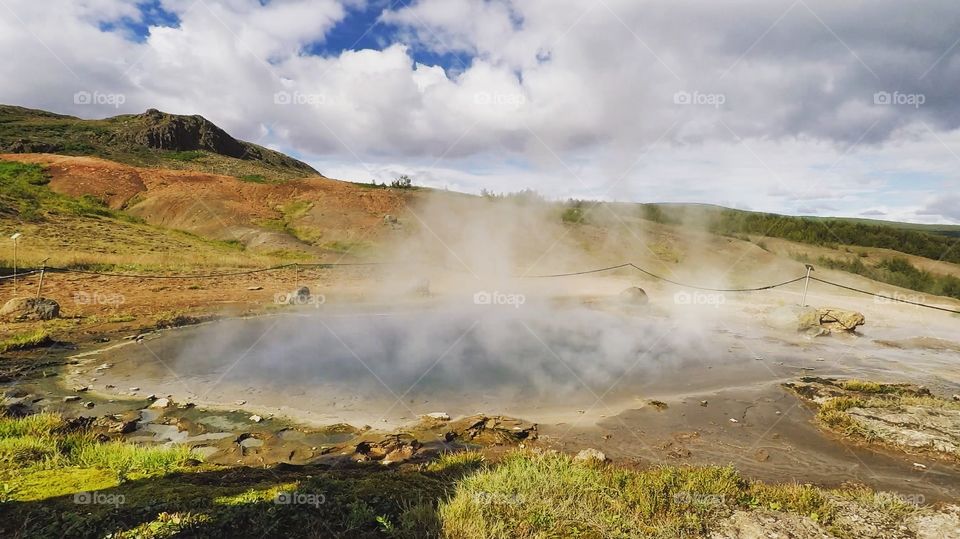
630, 381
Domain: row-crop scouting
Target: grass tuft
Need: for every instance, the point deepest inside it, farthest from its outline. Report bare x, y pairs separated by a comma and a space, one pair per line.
22, 341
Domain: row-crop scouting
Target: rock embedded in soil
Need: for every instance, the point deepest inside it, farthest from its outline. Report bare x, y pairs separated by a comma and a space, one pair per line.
815, 321
160, 403
903, 416
29, 308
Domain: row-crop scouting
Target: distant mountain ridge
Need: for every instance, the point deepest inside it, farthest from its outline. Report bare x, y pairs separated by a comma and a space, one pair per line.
153, 138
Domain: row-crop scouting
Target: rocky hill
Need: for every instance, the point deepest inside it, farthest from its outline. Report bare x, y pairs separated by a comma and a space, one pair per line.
152, 139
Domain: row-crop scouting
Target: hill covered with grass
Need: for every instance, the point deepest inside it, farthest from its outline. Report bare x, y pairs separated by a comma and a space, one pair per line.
152, 139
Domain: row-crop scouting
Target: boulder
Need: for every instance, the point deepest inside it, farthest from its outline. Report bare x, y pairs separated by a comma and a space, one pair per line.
838, 320
25, 308
634, 296
814, 321
160, 404
300, 296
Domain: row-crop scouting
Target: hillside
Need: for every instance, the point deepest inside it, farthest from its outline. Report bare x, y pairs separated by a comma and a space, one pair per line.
152, 139
305, 218
935, 242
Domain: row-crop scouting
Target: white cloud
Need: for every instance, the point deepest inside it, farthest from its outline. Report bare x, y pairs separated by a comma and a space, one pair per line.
571, 98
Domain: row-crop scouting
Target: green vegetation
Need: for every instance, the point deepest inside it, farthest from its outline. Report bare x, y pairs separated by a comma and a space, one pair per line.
44, 442
143, 140
57, 480
24, 191
30, 339
187, 156
836, 231
573, 212
403, 182
898, 272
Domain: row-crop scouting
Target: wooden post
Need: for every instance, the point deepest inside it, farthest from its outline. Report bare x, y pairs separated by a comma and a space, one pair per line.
43, 268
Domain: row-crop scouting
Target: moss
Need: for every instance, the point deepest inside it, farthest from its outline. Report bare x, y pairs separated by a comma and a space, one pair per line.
43, 484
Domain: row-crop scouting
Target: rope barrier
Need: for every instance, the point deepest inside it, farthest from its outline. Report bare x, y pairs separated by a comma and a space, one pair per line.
19, 275
944, 309
547, 276
655, 276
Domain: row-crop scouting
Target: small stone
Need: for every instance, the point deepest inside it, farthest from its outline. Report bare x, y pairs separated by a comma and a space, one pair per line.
956, 398
256, 418
591, 454
732, 420
703, 403
240, 402
441, 416
160, 403
919, 466
71, 398
134, 389
151, 397
88, 405
254, 288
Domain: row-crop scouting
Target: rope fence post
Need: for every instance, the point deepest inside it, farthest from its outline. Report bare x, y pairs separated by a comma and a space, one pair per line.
43, 269
806, 285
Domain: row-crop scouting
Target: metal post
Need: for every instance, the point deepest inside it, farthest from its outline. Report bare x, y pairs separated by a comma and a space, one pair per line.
43, 268
806, 285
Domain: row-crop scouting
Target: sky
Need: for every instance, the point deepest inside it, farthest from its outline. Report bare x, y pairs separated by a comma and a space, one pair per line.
803, 107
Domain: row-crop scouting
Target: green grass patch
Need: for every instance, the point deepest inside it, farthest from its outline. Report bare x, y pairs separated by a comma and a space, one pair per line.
29, 339
41, 424
186, 156
23, 188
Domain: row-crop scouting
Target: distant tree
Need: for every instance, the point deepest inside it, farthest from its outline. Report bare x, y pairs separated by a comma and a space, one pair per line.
403, 182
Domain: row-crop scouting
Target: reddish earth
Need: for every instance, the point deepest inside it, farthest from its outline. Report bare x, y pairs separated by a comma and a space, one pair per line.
225, 207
